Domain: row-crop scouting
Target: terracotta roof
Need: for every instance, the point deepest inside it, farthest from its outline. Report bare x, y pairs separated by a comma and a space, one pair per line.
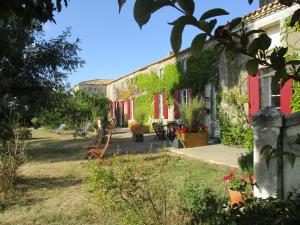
95, 82
264, 11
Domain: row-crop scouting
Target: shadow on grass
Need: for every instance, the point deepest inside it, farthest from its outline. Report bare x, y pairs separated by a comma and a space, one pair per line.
47, 183
5, 205
50, 150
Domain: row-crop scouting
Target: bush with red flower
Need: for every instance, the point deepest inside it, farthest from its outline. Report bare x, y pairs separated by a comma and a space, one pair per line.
235, 183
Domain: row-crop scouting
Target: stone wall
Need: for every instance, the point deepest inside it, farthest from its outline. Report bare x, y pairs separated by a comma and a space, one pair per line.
272, 128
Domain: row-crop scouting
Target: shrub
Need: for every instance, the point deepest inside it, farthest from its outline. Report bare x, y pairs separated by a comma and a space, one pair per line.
265, 212
192, 114
245, 162
202, 205
136, 190
12, 156
23, 133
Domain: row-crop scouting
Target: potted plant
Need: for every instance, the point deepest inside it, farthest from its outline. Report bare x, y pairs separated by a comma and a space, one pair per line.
238, 188
141, 126
194, 133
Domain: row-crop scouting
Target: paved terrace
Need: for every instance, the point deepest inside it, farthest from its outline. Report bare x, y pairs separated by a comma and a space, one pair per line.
216, 153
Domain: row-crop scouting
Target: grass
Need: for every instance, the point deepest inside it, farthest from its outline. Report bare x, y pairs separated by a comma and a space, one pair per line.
51, 186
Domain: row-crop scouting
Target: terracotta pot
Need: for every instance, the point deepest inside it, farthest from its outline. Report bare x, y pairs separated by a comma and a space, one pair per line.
251, 179
236, 197
191, 140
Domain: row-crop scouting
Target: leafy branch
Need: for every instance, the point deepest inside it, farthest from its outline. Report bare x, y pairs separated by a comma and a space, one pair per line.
233, 38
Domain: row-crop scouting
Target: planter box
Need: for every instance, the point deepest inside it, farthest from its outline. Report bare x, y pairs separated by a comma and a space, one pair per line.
143, 129
137, 138
191, 140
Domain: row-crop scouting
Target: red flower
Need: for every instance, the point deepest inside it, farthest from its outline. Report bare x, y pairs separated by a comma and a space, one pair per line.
243, 179
184, 130
228, 177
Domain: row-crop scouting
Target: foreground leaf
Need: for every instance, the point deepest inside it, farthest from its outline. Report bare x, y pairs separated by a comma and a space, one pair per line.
198, 44
252, 66
213, 13
187, 5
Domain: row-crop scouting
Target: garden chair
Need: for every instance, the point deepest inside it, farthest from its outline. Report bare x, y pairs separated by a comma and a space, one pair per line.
98, 141
59, 129
97, 152
159, 130
82, 132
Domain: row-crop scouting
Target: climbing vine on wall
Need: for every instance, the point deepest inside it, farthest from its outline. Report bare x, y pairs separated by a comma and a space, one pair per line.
296, 97
199, 72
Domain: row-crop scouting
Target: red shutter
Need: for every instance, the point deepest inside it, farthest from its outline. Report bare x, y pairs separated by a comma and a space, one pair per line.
156, 106
122, 105
286, 97
176, 104
128, 110
165, 105
133, 109
189, 93
253, 95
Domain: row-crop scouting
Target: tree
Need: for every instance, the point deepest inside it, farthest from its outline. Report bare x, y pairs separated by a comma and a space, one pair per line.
29, 10
32, 68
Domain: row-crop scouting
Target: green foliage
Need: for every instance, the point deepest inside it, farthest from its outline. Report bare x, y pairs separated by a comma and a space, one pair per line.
75, 110
135, 191
245, 162
200, 71
235, 134
296, 97
192, 114
265, 211
143, 108
234, 127
270, 153
202, 205
12, 156
23, 133
30, 10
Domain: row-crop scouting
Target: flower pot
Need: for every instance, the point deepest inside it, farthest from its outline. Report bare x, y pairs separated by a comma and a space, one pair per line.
137, 137
236, 197
191, 140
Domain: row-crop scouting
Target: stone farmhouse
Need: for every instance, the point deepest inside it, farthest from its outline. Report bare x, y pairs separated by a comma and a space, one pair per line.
271, 17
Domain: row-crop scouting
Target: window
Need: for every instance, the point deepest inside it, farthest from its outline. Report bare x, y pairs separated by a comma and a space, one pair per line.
275, 94
160, 106
161, 72
270, 91
183, 65
184, 96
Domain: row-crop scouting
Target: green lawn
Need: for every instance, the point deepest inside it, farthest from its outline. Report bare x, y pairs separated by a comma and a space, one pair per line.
51, 190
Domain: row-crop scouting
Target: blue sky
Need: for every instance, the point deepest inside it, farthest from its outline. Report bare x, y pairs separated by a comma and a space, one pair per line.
113, 45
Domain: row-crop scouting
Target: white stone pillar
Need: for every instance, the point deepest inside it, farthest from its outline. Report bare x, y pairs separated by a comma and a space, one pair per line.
267, 125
